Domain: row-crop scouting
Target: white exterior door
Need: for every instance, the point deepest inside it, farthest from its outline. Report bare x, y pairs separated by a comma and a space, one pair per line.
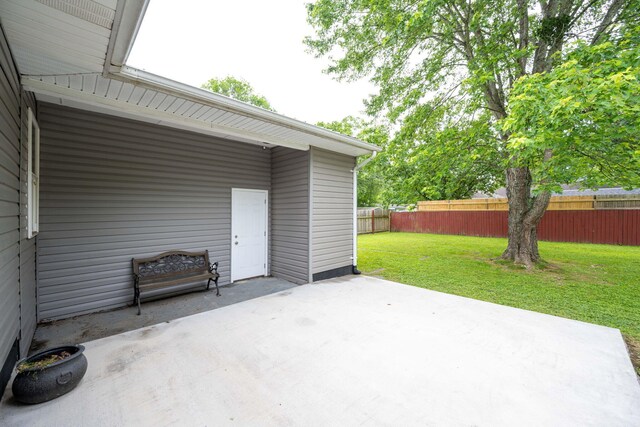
248, 233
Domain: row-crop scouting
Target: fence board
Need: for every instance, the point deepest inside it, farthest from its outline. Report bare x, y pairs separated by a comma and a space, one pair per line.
373, 220
617, 202
612, 226
621, 201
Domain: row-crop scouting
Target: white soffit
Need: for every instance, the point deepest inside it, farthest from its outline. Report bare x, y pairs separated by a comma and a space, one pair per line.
90, 11
156, 105
314, 135
100, 94
58, 36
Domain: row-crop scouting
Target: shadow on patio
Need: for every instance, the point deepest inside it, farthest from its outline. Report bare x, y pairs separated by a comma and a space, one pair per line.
89, 327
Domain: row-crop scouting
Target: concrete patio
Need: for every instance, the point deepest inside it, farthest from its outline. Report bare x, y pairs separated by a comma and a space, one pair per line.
352, 351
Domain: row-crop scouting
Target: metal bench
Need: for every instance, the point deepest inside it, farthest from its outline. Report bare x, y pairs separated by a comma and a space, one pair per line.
172, 268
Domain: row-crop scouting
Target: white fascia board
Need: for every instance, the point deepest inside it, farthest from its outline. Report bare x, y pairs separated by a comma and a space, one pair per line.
156, 116
181, 90
126, 23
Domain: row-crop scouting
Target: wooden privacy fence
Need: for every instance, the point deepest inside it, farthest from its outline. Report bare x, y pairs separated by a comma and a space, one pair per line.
558, 203
610, 226
373, 220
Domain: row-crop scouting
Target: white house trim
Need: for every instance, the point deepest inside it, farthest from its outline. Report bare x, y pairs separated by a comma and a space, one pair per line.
201, 95
126, 24
86, 100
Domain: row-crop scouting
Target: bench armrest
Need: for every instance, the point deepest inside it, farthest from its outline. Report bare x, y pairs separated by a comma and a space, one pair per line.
213, 267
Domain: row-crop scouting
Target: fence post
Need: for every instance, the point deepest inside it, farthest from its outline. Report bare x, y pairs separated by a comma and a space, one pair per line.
373, 221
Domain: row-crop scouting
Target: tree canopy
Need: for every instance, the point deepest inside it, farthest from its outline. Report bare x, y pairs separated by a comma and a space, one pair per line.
588, 110
237, 89
406, 172
435, 161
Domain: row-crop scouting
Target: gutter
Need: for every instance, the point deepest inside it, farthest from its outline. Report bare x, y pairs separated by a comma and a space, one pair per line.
355, 209
153, 81
363, 164
126, 24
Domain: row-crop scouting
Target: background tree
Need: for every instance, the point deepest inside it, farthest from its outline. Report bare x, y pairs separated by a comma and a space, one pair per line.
445, 167
426, 54
430, 161
237, 89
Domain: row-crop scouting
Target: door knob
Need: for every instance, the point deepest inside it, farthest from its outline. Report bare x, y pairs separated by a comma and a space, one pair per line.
236, 243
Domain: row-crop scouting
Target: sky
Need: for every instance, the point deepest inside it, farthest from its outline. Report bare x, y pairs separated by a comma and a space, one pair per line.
257, 40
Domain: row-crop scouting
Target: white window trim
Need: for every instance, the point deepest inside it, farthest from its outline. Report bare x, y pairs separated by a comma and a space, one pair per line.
33, 176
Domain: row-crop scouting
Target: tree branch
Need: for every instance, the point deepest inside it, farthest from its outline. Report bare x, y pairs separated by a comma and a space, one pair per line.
523, 28
614, 9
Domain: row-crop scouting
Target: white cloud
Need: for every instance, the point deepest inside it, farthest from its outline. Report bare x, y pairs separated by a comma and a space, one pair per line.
260, 41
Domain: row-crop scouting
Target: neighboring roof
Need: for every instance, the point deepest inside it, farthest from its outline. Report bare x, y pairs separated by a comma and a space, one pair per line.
72, 52
616, 191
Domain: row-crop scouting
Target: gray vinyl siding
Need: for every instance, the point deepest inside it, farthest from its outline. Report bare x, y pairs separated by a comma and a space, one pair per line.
27, 246
290, 214
113, 189
9, 201
332, 205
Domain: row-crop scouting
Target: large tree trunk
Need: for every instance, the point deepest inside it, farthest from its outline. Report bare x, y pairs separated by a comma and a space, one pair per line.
525, 213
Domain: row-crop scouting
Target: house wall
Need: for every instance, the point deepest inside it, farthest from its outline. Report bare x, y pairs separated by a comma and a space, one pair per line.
17, 254
113, 189
332, 219
9, 208
290, 214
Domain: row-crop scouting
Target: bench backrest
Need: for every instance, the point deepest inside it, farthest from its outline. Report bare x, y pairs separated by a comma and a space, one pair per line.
171, 264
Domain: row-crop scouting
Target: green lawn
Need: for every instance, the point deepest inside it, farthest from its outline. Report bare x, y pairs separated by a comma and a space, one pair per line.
594, 283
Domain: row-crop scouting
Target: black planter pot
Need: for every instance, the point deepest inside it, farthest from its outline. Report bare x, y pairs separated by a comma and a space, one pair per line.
37, 385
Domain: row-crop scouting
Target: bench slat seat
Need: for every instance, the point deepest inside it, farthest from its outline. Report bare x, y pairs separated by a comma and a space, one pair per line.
164, 284
172, 268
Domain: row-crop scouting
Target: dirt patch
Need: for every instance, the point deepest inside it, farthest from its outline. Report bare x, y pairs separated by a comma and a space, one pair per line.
146, 333
305, 321
507, 265
37, 345
558, 272
125, 357
633, 346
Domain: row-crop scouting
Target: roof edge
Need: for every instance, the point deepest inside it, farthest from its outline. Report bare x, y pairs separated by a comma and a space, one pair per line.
78, 99
144, 78
126, 24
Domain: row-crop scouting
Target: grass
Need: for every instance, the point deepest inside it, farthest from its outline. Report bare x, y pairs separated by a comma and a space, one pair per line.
593, 283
